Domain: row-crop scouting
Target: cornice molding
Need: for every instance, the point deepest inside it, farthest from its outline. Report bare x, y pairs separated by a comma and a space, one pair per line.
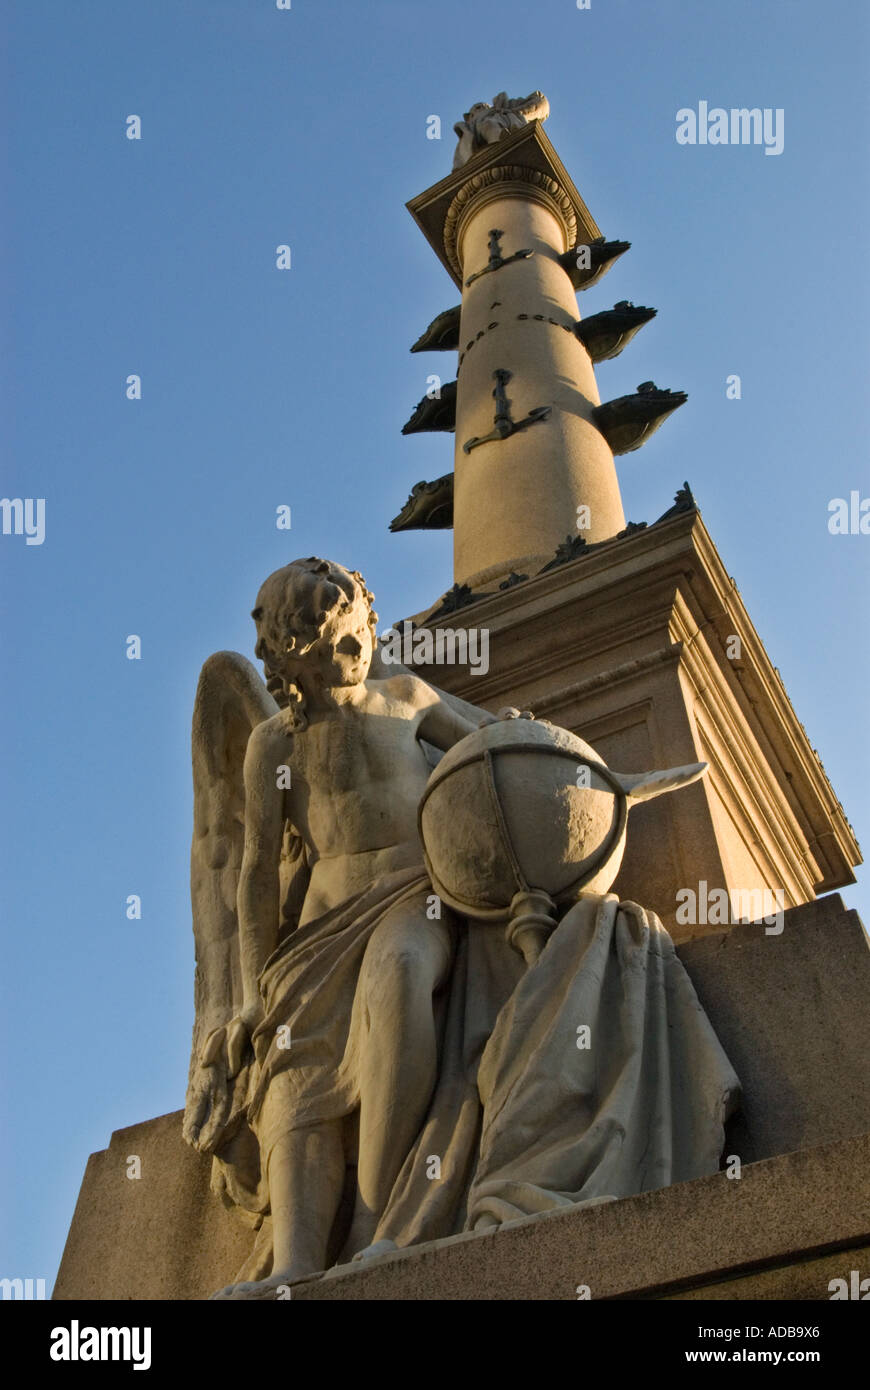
763, 689
728, 734
785, 858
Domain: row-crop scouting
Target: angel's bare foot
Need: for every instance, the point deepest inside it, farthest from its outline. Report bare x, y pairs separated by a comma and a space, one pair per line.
380, 1247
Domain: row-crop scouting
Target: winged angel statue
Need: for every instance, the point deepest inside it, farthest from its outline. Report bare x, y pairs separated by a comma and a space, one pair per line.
370, 1070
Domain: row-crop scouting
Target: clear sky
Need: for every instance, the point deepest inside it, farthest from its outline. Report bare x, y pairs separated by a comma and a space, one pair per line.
261, 387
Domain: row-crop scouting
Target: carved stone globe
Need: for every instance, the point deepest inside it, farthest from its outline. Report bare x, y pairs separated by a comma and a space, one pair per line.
520, 804
521, 817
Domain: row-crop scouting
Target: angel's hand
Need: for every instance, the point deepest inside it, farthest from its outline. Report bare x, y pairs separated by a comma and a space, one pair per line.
231, 1044
238, 1045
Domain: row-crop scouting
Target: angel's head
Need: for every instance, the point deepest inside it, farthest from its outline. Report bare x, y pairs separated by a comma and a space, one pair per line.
315, 627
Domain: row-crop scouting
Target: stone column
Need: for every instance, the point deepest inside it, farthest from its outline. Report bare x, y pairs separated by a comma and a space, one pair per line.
517, 498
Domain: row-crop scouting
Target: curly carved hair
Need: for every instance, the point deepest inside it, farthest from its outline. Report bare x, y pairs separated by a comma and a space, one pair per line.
293, 607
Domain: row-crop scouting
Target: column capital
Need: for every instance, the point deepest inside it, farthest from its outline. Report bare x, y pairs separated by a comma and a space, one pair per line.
523, 164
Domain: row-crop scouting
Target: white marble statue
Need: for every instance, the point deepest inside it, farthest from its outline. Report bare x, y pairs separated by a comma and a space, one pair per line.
485, 124
374, 1063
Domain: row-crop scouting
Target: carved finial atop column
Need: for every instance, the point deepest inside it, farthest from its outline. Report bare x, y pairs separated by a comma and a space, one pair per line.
486, 124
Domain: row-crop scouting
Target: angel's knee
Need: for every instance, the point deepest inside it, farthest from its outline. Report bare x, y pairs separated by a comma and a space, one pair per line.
407, 961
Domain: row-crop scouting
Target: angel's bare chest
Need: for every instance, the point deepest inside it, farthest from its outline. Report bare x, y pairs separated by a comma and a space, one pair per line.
343, 753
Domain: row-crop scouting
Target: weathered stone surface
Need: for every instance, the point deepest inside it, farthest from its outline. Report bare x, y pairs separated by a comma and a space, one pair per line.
791, 1013
563, 818
163, 1235
691, 1235
799, 1281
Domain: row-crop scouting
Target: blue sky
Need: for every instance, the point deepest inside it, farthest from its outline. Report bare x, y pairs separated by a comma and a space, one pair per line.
261, 388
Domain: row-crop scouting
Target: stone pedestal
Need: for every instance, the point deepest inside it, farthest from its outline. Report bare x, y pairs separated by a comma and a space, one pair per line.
643, 647
161, 1235
783, 1230
791, 1014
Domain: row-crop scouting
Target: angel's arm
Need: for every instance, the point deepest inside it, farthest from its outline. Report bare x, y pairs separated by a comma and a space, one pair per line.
447, 719
259, 882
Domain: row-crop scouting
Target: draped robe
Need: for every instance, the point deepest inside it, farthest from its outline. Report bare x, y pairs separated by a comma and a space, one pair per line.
594, 1073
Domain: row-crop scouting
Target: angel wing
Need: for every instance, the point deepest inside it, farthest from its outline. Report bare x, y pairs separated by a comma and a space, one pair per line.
231, 699
534, 107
